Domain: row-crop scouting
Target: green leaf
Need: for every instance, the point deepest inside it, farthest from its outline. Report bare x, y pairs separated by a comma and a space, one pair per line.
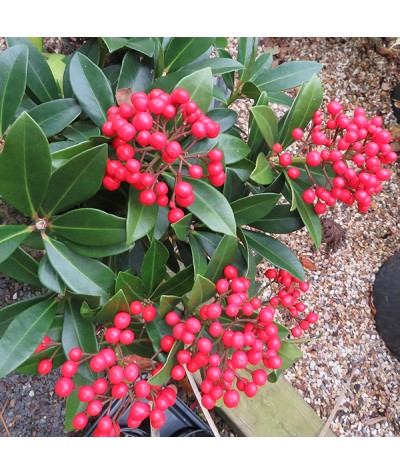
73, 405
55, 115
157, 329
78, 332
182, 51
168, 303
278, 97
289, 354
132, 286
222, 256
198, 255
49, 277
275, 252
217, 65
76, 181
247, 51
252, 208
200, 87
221, 42
154, 265
299, 115
13, 70
182, 226
81, 274
203, 290
98, 252
260, 65
250, 268
8, 313
81, 131
234, 188
141, 219
24, 334
162, 223
281, 220
287, 75
219, 95
251, 91
226, 118
266, 122
143, 45
211, 207
30, 366
11, 237
60, 157
21, 266
117, 303
228, 78
243, 169
262, 174
25, 166
89, 226
164, 375
91, 87
307, 213
208, 240
114, 43
135, 74
234, 148
177, 285
40, 79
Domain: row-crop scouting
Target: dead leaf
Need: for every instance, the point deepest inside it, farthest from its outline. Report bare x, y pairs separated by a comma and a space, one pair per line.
123, 96
186, 386
307, 263
371, 304
374, 420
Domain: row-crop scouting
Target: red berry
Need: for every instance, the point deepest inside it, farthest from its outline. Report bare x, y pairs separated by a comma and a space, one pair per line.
115, 374
45, 366
112, 335
119, 390
297, 133
183, 189
334, 107
126, 132
69, 368
167, 342
64, 387
80, 421
178, 372
94, 407
215, 155
195, 171
175, 215
293, 173
277, 148
147, 197
204, 345
142, 121
142, 388
158, 140
100, 386
86, 393
172, 318
231, 398
135, 307
149, 313
230, 272
309, 196
97, 363
122, 320
127, 337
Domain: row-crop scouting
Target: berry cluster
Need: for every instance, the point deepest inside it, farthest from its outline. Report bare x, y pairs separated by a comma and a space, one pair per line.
223, 339
154, 134
356, 149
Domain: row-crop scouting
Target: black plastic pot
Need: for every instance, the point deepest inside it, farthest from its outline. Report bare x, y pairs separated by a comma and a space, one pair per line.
180, 422
395, 96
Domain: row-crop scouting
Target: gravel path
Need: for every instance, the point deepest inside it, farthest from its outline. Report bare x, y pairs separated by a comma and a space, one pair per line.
341, 281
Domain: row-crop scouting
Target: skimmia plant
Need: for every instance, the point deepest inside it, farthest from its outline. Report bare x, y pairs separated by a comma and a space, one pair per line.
148, 210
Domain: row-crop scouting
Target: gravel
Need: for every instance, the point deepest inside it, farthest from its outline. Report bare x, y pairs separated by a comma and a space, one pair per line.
341, 280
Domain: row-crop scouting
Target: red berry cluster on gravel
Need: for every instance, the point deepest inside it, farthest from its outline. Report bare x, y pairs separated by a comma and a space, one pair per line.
154, 134
356, 149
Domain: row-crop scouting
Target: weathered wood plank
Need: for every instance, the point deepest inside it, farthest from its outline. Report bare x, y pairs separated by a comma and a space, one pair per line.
278, 410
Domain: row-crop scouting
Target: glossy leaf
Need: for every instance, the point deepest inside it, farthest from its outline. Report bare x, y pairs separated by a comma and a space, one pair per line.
200, 87
141, 219
262, 174
157, 329
203, 290
114, 43
182, 51
182, 226
25, 166
222, 256
8, 313
281, 220
21, 266
24, 334
89, 226
244, 168
132, 286
198, 255
247, 51
154, 265
307, 213
11, 237
13, 71
164, 375
78, 332
91, 88
211, 207
143, 45
49, 277
98, 252
162, 223
81, 131
278, 97
59, 157
81, 274
40, 79
178, 285
117, 303
299, 115
287, 75
275, 252
217, 65
228, 78
226, 118
289, 354
30, 366
252, 208
54, 116
76, 181
219, 95
262, 64
266, 122
135, 74
209, 241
